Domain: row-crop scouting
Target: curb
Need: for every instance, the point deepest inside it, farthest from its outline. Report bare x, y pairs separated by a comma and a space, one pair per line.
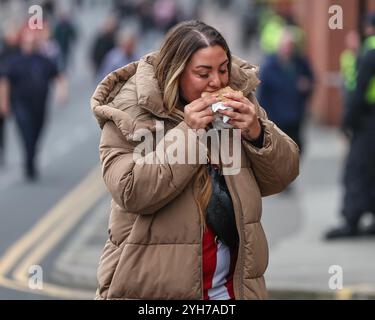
357, 292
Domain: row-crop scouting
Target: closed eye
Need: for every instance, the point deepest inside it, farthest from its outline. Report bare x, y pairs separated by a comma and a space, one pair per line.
206, 75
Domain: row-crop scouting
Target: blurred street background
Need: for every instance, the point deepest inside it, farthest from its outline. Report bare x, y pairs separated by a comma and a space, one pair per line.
54, 207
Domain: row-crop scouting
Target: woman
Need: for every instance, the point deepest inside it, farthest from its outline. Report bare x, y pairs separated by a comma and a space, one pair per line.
160, 244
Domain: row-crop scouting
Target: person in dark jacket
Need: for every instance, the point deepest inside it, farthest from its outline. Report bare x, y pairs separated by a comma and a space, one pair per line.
124, 53
359, 120
104, 42
286, 83
65, 34
8, 47
28, 76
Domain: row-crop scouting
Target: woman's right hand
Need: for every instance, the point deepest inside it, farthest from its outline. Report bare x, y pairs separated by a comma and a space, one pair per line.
198, 114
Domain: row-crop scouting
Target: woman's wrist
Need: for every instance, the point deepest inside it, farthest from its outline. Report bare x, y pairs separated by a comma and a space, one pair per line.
257, 139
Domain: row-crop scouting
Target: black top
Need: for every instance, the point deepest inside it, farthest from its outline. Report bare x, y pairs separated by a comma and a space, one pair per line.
220, 213
30, 76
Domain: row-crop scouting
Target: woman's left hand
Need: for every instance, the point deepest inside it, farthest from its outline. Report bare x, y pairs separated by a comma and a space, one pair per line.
243, 116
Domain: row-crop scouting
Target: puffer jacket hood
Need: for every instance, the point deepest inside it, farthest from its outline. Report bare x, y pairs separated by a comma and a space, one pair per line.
244, 77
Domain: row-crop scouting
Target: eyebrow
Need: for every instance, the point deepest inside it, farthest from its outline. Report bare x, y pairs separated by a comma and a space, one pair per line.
210, 67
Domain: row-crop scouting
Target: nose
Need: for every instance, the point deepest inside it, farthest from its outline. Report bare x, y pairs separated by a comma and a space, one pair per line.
215, 81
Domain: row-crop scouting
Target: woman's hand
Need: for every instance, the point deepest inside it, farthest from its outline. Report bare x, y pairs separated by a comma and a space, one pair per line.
243, 115
198, 114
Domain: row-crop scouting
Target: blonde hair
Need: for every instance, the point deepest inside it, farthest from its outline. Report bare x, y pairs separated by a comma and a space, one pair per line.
179, 45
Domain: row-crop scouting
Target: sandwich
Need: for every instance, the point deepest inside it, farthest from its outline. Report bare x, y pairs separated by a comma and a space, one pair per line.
219, 93
220, 121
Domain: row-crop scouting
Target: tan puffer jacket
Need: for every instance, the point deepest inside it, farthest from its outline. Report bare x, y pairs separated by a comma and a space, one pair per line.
154, 250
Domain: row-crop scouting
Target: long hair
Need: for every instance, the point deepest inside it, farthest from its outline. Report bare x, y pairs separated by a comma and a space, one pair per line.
179, 45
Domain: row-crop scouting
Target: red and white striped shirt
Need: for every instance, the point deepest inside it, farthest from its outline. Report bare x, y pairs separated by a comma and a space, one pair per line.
218, 268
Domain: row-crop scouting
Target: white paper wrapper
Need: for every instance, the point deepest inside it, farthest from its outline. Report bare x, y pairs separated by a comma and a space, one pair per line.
220, 121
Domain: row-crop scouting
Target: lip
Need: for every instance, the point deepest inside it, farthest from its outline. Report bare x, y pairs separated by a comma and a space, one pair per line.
213, 90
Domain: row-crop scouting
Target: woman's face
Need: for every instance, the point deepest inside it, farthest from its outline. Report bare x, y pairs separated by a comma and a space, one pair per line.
207, 70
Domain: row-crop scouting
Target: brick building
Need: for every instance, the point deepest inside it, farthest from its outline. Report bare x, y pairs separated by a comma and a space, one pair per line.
324, 45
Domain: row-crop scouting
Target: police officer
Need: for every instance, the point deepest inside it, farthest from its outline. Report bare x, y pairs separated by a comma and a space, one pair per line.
359, 119
348, 62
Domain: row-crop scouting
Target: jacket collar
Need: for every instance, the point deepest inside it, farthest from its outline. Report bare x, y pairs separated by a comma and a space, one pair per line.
244, 77
148, 91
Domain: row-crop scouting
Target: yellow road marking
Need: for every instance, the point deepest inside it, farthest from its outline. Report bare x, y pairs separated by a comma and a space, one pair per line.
48, 290
22, 245
344, 294
49, 231
73, 212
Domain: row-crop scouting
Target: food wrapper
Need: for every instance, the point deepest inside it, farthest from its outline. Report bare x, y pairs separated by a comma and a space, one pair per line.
220, 121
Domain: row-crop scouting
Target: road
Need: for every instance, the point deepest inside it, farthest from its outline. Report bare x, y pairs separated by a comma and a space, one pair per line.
36, 218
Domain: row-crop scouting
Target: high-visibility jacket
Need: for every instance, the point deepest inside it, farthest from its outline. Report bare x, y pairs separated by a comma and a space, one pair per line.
348, 69
271, 33
368, 45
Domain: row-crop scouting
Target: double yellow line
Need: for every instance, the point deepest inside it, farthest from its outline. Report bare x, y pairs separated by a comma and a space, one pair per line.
33, 246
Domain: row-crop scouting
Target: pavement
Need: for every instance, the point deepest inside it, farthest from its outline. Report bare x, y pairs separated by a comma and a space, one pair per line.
300, 258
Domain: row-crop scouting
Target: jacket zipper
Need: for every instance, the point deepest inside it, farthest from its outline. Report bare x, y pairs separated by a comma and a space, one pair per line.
201, 262
240, 254
239, 257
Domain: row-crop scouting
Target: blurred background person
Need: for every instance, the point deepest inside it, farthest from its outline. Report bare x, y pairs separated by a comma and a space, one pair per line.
8, 47
125, 8
122, 54
145, 16
47, 45
359, 120
348, 62
49, 9
65, 34
271, 26
104, 42
165, 14
28, 75
348, 70
286, 83
50, 48
250, 12
3, 114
